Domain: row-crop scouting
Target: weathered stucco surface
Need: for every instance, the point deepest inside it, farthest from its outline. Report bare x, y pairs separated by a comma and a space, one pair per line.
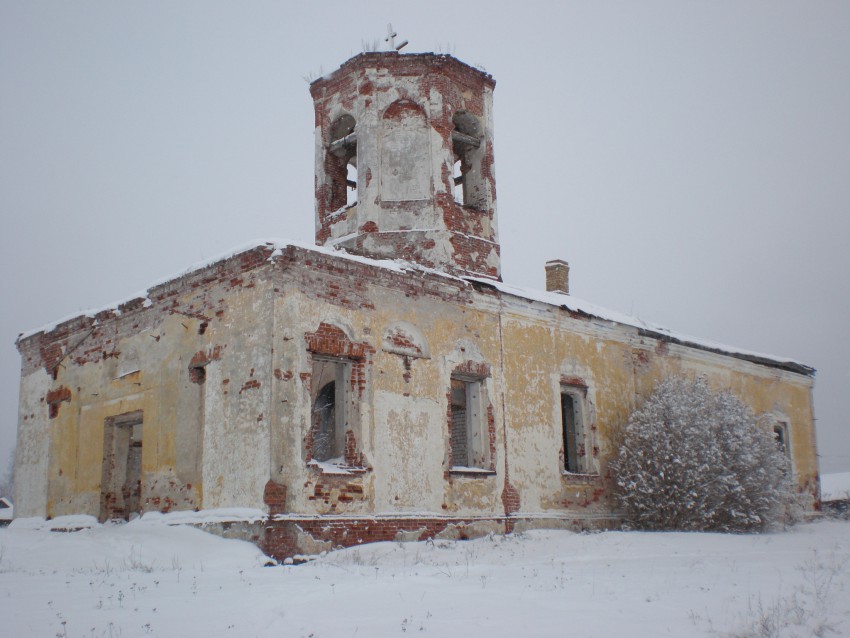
147, 359
31, 453
217, 441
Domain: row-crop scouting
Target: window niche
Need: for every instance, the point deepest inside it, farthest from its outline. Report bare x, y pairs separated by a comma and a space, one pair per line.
471, 431
341, 162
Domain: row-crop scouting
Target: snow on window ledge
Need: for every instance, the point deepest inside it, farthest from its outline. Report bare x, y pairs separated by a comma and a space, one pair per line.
471, 471
330, 467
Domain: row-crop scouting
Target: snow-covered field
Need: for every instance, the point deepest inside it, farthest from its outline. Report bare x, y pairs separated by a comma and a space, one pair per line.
146, 578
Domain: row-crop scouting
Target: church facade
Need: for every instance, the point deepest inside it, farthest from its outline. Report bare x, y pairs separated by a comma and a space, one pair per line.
383, 384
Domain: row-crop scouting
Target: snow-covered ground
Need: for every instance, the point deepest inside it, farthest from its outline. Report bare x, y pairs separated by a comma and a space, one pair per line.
148, 578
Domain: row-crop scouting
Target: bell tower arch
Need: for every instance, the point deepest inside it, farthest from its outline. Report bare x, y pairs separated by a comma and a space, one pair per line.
404, 161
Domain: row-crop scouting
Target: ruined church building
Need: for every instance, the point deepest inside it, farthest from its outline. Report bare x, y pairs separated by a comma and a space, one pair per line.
382, 384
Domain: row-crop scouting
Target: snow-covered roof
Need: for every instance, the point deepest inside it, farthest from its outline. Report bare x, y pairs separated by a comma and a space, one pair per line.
559, 300
588, 309
277, 245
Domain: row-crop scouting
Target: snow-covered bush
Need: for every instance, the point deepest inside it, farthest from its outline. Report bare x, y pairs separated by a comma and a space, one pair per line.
693, 459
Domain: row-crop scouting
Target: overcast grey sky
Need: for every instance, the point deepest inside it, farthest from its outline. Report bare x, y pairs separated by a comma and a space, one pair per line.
691, 160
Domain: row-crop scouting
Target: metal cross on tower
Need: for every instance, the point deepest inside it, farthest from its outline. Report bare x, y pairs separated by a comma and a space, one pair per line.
391, 35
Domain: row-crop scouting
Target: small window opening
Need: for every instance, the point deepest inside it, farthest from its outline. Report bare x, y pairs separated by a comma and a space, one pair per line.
572, 430
341, 163
197, 374
469, 440
780, 436
328, 418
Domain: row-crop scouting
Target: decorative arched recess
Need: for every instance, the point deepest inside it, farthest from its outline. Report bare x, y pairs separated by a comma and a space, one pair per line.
405, 339
128, 362
405, 153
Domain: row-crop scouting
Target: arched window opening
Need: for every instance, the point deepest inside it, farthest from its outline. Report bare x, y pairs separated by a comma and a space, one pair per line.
466, 147
342, 162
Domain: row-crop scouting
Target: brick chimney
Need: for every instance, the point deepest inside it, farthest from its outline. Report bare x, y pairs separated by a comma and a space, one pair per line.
558, 276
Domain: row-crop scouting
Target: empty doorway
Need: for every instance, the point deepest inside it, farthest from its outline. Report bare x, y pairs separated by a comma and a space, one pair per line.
121, 483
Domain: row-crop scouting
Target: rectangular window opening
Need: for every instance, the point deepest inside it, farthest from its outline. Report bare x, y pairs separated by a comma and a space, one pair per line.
328, 415
470, 443
780, 436
572, 431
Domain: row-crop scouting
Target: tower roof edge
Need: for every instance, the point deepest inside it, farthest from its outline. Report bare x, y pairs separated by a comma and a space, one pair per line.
412, 62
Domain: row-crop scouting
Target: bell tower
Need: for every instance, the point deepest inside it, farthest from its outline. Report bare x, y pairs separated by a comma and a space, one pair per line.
404, 161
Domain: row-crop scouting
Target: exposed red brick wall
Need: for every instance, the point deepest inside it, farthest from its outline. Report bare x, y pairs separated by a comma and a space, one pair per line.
54, 398
274, 495
576, 382
202, 359
168, 495
332, 489
333, 342
351, 455
510, 499
280, 540
473, 369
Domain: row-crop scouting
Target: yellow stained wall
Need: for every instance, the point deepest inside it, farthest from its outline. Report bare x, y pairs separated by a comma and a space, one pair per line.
77, 432
620, 368
403, 428
147, 370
